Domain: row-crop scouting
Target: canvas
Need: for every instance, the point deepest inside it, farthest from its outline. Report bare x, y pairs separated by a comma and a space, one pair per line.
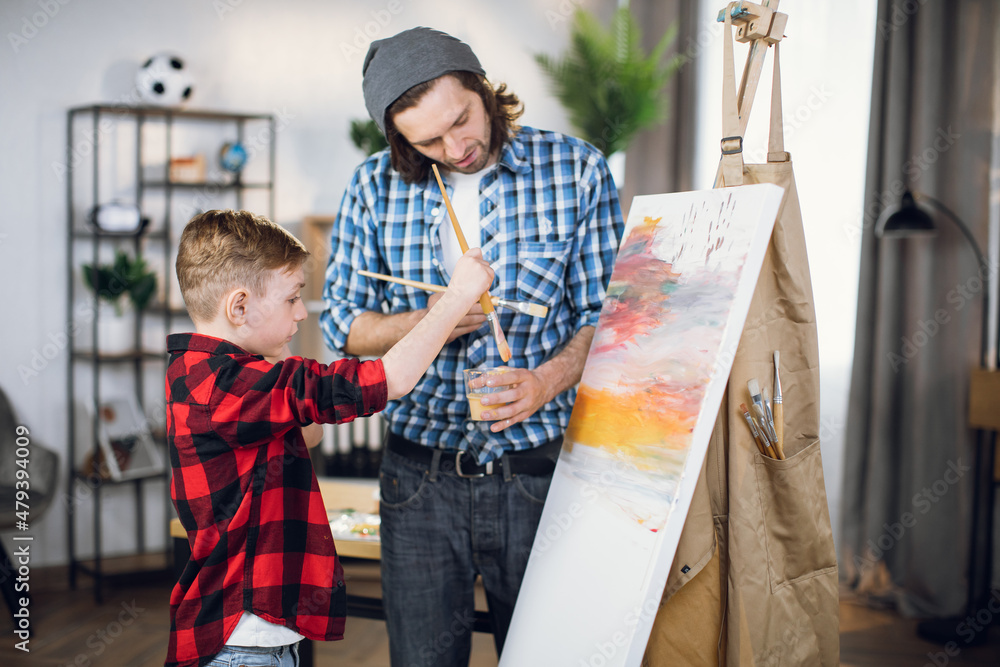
651, 389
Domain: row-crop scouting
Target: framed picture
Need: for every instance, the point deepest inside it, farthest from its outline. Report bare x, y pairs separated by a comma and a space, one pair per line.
125, 441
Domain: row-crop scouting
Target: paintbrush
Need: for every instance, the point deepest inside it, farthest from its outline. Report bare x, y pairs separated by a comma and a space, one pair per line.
779, 408
485, 300
753, 429
758, 405
525, 307
766, 396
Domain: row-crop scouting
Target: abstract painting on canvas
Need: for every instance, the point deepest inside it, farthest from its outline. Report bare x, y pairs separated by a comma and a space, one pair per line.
652, 384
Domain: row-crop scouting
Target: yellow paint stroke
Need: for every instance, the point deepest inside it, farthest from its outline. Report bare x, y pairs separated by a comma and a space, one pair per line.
626, 424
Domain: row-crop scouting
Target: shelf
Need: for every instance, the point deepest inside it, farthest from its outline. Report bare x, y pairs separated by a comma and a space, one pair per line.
158, 197
207, 184
81, 476
158, 308
168, 112
91, 234
87, 355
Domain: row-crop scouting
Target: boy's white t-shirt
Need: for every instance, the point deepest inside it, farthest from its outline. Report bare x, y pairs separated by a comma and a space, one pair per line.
465, 201
252, 630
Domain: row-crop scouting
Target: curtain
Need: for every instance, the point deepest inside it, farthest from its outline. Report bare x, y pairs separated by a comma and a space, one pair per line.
661, 158
907, 502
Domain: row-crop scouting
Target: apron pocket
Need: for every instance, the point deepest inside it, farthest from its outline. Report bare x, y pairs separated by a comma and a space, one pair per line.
798, 536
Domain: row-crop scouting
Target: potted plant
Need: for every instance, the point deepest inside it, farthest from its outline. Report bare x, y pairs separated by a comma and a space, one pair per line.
111, 284
367, 137
611, 88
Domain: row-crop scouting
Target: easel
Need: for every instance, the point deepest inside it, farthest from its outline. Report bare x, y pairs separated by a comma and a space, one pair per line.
759, 25
757, 597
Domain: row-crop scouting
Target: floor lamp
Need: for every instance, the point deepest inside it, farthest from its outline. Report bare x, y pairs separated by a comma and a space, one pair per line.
907, 221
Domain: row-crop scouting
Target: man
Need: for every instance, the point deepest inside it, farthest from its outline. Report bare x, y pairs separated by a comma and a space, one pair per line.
462, 498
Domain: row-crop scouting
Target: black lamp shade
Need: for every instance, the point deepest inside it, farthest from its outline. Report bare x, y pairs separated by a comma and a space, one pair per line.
909, 220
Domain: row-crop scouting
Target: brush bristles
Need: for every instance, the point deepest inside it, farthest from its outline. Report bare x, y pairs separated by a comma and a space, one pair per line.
502, 346
754, 387
537, 310
530, 309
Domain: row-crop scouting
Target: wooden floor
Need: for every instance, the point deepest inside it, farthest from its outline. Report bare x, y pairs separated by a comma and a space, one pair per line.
130, 630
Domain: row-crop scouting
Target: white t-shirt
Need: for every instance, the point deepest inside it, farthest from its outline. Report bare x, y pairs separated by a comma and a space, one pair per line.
252, 630
465, 201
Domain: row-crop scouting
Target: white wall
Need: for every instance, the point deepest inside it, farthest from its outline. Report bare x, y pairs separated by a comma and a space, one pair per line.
826, 78
298, 58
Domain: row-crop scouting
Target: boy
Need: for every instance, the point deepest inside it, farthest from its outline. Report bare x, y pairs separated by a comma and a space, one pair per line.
263, 572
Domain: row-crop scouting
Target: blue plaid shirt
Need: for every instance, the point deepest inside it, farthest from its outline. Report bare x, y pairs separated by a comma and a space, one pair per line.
551, 224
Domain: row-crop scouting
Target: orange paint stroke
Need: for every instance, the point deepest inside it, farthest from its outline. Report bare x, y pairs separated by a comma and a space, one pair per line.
628, 423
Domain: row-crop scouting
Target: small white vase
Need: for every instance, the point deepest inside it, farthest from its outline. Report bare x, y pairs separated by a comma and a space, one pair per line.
115, 331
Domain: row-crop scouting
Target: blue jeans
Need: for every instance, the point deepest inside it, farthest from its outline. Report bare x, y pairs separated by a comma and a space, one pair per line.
256, 656
439, 531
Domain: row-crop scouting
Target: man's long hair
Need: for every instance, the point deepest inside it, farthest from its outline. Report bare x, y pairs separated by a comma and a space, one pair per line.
502, 108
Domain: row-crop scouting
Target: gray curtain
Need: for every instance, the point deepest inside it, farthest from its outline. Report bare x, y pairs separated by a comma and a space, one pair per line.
661, 158
907, 503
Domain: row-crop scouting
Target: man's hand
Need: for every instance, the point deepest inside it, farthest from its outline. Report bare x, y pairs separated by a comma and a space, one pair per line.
474, 319
527, 395
534, 388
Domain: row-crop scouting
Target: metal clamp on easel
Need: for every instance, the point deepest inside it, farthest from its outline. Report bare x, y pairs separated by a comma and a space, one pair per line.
760, 26
755, 21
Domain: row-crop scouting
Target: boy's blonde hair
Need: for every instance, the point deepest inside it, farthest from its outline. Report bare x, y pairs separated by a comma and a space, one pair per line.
224, 249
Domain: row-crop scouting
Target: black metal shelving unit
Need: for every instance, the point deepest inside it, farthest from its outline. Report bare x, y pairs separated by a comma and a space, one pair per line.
83, 137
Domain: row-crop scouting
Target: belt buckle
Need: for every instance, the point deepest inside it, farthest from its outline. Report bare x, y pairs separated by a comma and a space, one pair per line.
458, 467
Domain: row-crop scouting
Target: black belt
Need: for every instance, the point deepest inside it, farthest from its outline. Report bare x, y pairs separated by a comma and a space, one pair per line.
539, 460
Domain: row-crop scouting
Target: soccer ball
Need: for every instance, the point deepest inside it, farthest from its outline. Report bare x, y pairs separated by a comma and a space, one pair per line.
162, 80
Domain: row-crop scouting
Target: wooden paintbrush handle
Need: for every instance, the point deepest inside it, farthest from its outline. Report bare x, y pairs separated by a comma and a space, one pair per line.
462, 243
404, 281
779, 427
485, 301
429, 287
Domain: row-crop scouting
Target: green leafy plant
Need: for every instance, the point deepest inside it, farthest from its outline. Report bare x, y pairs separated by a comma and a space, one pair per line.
111, 282
606, 82
366, 136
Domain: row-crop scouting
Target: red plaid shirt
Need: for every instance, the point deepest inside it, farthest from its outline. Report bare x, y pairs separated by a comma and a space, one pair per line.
245, 490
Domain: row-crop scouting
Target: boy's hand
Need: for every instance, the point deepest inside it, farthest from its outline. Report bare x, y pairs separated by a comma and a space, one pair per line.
408, 359
472, 276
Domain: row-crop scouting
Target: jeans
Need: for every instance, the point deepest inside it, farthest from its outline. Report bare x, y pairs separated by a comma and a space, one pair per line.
438, 532
257, 656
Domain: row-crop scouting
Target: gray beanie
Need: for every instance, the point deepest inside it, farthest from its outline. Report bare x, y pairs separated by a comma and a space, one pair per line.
398, 63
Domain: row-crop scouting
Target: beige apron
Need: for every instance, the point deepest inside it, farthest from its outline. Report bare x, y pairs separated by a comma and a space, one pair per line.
754, 579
